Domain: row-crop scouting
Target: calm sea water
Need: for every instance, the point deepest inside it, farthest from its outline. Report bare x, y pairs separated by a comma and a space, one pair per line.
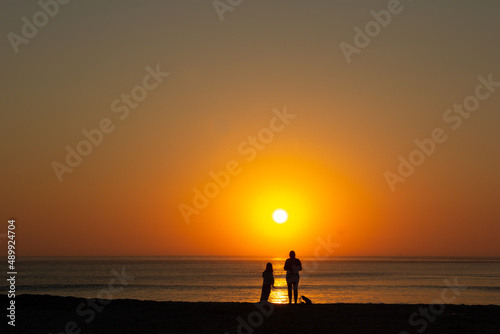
227, 279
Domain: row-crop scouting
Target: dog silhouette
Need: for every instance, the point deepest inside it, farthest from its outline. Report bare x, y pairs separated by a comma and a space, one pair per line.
305, 300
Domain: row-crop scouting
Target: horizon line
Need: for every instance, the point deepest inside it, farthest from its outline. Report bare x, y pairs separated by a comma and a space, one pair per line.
265, 256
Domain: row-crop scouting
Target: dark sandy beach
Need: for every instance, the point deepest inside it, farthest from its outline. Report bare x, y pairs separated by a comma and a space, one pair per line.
51, 314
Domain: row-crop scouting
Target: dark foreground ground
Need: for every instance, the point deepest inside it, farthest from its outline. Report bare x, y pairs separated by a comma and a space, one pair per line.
51, 314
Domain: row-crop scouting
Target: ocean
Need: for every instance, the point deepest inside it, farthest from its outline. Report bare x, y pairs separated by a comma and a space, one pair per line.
471, 281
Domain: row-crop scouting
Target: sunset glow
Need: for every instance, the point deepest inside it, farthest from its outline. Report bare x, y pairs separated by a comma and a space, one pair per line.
231, 122
204, 166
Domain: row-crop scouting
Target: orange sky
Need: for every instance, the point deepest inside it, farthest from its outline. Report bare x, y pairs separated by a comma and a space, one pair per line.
227, 83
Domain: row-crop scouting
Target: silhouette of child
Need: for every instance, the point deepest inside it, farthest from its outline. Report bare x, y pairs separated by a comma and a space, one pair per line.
268, 281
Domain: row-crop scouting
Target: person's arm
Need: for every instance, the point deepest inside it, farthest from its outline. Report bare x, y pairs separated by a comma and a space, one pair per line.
300, 265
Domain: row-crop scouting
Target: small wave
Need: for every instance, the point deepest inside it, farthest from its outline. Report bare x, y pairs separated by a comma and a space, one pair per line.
63, 287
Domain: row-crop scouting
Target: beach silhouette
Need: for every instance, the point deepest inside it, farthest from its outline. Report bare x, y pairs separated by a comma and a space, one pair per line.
292, 268
268, 282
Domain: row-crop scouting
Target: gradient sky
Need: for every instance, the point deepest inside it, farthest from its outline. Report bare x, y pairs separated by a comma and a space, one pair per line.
326, 167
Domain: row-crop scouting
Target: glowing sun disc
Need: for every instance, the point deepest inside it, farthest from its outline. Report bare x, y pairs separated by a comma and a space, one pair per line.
280, 216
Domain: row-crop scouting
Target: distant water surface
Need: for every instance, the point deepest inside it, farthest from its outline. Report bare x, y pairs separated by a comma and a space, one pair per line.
231, 279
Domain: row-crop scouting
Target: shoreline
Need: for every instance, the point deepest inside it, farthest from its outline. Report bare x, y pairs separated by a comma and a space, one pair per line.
235, 302
55, 314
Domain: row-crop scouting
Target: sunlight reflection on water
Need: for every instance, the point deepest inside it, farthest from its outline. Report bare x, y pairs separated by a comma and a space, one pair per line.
279, 295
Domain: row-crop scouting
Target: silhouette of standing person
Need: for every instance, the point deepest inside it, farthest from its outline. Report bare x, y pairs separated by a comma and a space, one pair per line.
268, 282
292, 267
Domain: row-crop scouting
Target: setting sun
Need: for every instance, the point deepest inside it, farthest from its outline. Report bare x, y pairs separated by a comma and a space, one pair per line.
280, 216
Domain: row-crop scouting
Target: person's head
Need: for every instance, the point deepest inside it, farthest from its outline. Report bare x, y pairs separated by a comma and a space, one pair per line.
292, 254
269, 266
